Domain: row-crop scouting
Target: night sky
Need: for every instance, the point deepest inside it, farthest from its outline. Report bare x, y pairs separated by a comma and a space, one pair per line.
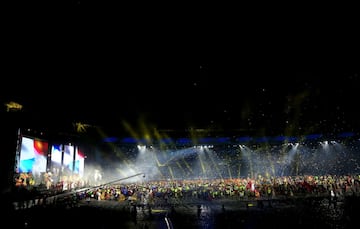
65, 70
178, 97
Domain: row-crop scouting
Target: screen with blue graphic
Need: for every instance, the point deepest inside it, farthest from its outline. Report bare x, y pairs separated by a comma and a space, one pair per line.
33, 155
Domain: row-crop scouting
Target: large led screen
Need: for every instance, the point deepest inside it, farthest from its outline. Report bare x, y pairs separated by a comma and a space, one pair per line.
68, 160
79, 162
56, 155
33, 155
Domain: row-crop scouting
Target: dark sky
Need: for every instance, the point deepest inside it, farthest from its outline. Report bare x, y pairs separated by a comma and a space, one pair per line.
64, 69
177, 97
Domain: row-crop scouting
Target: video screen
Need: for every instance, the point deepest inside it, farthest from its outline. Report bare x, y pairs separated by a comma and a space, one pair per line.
56, 159
56, 155
79, 162
68, 160
33, 155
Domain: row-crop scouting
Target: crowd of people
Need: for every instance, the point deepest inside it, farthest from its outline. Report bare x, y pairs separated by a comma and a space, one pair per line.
164, 192
271, 172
